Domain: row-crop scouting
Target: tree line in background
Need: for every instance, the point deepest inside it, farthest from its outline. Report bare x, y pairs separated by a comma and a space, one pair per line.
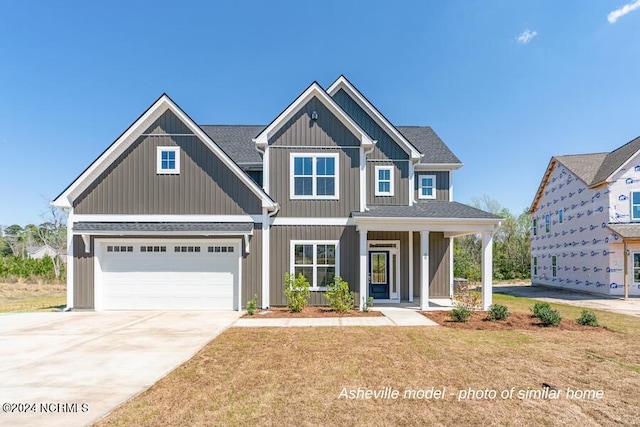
17, 242
511, 246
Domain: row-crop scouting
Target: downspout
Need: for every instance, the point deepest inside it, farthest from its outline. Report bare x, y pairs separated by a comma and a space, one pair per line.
363, 188
626, 270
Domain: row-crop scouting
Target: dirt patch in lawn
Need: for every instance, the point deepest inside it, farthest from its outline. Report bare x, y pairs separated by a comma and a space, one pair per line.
310, 311
516, 320
19, 297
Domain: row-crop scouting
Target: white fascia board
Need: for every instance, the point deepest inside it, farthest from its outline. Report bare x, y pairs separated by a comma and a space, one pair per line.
166, 218
161, 234
125, 140
312, 221
437, 166
343, 83
262, 140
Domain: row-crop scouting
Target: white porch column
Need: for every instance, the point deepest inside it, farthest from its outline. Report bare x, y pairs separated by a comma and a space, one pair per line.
487, 269
424, 270
363, 269
410, 266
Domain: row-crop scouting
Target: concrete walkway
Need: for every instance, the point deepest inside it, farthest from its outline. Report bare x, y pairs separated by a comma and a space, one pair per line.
393, 316
614, 304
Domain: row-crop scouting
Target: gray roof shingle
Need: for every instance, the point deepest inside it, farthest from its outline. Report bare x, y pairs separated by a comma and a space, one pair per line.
615, 159
584, 166
429, 144
626, 230
428, 209
236, 141
146, 227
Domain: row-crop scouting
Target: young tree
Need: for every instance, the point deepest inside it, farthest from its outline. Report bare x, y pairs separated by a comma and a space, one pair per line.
14, 237
53, 232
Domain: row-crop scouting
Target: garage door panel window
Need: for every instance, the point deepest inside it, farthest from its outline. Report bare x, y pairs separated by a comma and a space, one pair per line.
186, 248
153, 249
317, 261
119, 248
221, 249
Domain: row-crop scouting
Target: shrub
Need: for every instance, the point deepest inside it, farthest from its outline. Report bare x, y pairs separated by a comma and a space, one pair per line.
498, 312
549, 316
470, 299
339, 296
252, 305
588, 318
297, 292
540, 306
460, 314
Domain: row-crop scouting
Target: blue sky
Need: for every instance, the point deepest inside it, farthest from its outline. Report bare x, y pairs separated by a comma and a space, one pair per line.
505, 84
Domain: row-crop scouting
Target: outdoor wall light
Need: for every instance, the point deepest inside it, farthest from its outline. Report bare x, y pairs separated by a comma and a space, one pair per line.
314, 116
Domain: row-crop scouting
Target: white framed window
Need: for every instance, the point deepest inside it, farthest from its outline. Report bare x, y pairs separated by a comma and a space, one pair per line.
535, 265
314, 176
384, 180
554, 266
426, 186
317, 260
168, 160
534, 226
635, 206
547, 223
560, 216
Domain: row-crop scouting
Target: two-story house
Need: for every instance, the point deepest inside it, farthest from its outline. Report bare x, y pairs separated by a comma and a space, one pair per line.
586, 223
174, 215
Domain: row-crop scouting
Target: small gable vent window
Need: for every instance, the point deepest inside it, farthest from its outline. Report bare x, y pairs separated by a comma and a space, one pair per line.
168, 160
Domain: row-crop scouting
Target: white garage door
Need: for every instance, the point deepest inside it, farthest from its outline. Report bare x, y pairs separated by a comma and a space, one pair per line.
167, 275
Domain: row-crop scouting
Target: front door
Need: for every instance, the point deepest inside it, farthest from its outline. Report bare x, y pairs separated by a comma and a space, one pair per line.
379, 274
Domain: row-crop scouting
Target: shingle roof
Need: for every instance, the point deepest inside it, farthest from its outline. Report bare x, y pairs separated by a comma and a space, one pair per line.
236, 141
615, 159
428, 209
429, 144
626, 230
584, 166
146, 227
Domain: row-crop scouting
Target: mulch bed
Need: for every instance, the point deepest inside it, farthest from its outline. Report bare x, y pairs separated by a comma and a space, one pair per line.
514, 321
310, 311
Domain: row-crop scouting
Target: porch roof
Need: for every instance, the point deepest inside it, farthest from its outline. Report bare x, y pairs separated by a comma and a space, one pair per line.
626, 231
432, 209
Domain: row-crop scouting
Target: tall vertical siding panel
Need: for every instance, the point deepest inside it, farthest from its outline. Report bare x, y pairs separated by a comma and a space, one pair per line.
83, 283
280, 246
326, 135
131, 185
401, 184
252, 267
386, 148
403, 237
442, 184
439, 265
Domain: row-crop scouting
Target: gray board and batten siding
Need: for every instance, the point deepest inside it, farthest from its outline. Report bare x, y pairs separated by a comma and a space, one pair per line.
442, 185
328, 135
84, 271
439, 265
280, 242
204, 186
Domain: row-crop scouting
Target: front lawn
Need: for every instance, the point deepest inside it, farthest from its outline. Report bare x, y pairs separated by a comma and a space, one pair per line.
18, 297
295, 376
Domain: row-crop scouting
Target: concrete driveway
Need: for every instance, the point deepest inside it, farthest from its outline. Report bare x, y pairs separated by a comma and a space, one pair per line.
630, 307
73, 368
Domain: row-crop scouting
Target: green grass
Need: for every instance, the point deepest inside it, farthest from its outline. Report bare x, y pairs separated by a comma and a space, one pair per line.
26, 297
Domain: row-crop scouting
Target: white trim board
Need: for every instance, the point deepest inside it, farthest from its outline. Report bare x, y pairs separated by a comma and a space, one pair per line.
312, 221
166, 218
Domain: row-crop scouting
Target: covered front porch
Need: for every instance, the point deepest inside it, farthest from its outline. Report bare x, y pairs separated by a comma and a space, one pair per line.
409, 259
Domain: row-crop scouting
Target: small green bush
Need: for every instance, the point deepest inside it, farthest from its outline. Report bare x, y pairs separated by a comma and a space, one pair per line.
588, 318
296, 289
540, 306
252, 305
460, 314
367, 304
498, 312
549, 316
339, 296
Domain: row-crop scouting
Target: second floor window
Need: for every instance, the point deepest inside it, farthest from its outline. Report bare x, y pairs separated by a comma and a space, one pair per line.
426, 186
384, 180
534, 226
561, 216
635, 206
168, 160
547, 223
314, 176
